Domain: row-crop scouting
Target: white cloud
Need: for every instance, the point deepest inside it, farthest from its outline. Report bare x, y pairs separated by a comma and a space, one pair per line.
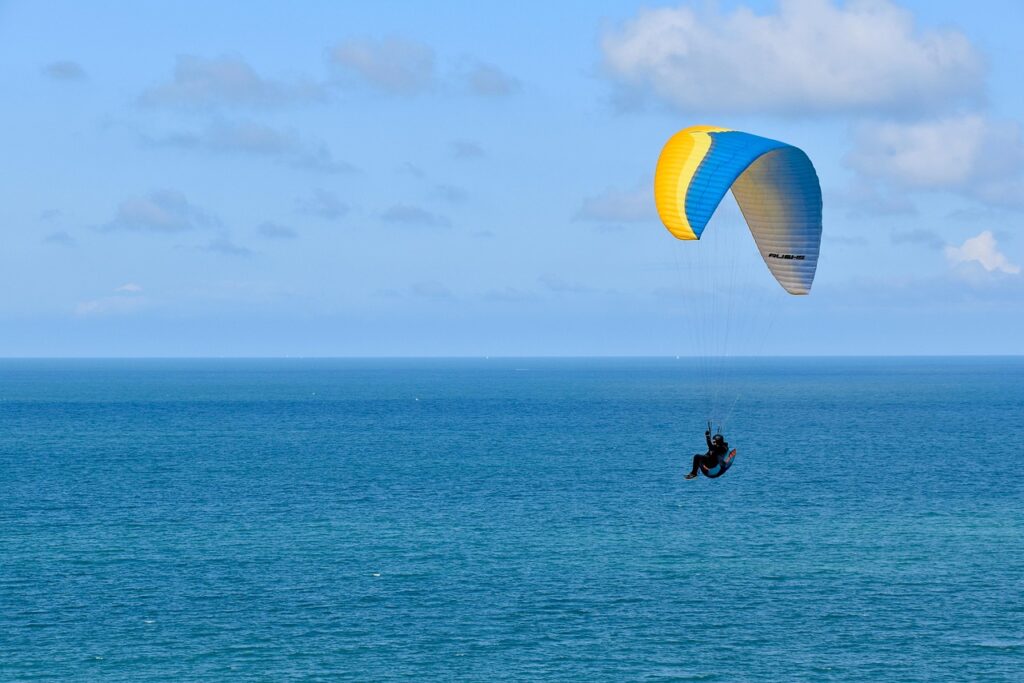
395, 66
982, 249
969, 154
129, 287
201, 82
810, 57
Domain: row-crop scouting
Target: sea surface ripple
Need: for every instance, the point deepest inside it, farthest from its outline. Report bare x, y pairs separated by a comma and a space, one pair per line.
504, 519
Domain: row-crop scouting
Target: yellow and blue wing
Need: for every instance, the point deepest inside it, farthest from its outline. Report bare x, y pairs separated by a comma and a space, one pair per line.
775, 186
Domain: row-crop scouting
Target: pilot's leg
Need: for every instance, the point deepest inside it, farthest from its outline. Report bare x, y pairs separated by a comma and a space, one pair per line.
696, 463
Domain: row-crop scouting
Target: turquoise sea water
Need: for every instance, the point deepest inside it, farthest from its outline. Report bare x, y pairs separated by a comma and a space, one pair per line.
488, 520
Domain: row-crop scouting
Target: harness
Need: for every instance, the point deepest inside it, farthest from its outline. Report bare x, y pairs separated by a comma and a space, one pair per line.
724, 463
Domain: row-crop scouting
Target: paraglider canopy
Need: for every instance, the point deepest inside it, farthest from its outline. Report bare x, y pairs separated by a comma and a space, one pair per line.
775, 186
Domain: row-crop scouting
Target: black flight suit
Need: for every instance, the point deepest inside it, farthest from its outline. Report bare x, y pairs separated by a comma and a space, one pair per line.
714, 455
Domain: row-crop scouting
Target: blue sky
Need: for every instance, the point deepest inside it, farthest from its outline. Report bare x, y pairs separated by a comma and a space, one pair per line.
468, 178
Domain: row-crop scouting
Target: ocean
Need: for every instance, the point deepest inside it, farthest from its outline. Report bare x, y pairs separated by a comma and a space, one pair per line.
510, 519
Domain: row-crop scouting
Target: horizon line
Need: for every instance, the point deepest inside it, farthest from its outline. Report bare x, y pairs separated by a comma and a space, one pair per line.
515, 357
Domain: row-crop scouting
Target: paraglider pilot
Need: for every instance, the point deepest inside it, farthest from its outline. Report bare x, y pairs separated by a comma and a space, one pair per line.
717, 448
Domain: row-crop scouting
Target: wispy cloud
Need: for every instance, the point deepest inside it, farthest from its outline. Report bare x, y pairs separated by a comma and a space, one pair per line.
451, 193
64, 71
223, 244
968, 154
983, 250
920, 236
487, 80
411, 169
509, 295
467, 149
166, 211
392, 65
322, 204
61, 237
414, 215
559, 285
431, 289
848, 240
199, 82
127, 299
109, 305
275, 231
258, 140
866, 198
975, 214
619, 206
811, 56
402, 67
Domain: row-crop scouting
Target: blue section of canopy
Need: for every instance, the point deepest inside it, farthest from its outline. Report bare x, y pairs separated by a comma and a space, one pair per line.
730, 155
